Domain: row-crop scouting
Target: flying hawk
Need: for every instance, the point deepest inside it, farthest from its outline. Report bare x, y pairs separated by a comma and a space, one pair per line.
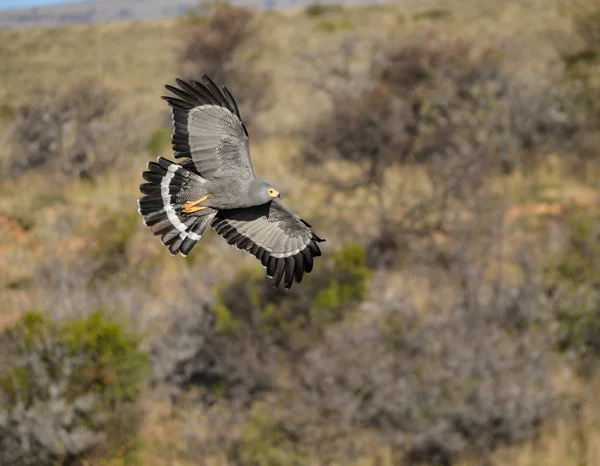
215, 185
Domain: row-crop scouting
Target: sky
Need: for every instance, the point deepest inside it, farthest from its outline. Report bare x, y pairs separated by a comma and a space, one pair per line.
7, 4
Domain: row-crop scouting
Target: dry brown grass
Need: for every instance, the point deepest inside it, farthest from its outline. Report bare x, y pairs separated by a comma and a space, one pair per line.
41, 220
574, 441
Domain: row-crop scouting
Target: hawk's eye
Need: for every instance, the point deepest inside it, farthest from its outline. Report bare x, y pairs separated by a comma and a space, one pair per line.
271, 192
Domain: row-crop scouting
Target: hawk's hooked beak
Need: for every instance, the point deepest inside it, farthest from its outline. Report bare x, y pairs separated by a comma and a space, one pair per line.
274, 194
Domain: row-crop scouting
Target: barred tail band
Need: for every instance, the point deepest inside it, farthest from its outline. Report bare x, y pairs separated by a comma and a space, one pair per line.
161, 206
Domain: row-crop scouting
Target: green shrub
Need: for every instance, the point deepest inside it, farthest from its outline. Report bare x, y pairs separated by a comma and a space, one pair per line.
232, 349
436, 13
315, 9
68, 387
586, 55
78, 130
580, 326
318, 9
114, 366
266, 441
579, 263
330, 289
573, 281
25, 220
586, 20
348, 284
333, 25
158, 141
113, 236
223, 42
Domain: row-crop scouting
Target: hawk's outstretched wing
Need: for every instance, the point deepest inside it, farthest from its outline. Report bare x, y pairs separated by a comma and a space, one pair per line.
283, 242
208, 129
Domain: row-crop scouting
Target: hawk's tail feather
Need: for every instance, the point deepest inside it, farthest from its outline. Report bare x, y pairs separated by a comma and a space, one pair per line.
162, 204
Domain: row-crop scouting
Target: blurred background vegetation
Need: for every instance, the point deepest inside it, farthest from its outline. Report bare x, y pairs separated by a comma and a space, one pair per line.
448, 151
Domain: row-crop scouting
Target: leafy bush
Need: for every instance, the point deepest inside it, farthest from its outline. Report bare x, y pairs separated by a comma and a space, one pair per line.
77, 131
586, 18
268, 442
573, 282
158, 142
582, 60
334, 25
579, 263
318, 9
445, 91
464, 117
425, 384
437, 386
232, 348
68, 388
458, 368
434, 14
249, 301
315, 9
214, 41
112, 239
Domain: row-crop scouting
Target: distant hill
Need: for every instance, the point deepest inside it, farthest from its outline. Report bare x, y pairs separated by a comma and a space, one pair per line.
94, 11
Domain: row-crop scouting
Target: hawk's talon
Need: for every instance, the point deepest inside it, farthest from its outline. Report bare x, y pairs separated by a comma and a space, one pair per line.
193, 206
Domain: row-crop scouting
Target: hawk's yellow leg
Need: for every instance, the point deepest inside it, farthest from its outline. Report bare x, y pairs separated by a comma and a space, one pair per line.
194, 206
